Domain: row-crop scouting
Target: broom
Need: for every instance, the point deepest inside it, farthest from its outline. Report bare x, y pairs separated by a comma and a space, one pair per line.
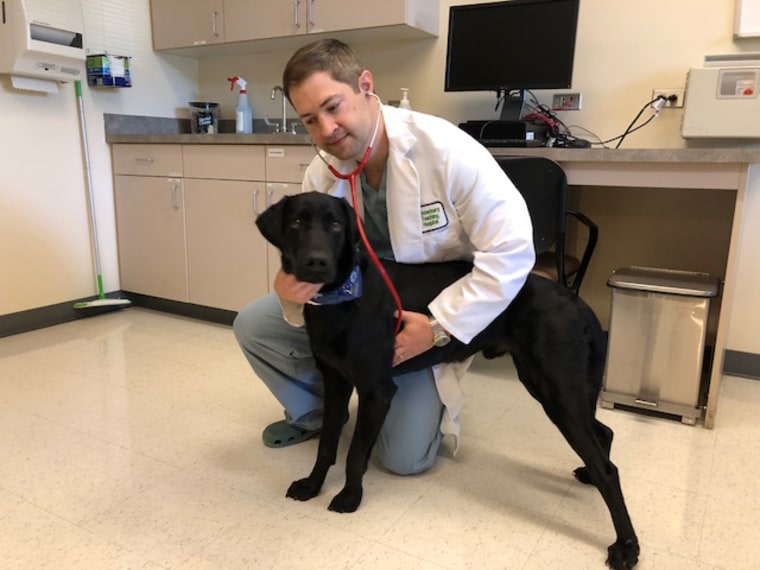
102, 303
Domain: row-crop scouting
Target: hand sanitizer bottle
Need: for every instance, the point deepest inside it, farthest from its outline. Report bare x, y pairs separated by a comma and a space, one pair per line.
243, 111
405, 103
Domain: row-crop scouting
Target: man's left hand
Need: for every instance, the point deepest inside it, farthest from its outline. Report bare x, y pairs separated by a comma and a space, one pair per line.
415, 338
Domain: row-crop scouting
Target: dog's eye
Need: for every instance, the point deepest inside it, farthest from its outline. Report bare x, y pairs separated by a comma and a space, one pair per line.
336, 226
295, 223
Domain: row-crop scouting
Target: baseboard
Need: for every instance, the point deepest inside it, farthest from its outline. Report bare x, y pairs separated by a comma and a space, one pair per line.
42, 317
221, 316
743, 364
735, 363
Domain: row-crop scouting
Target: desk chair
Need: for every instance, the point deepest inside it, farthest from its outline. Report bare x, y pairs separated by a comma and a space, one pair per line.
543, 184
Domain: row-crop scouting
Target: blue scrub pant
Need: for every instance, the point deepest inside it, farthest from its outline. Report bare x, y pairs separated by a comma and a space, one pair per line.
281, 357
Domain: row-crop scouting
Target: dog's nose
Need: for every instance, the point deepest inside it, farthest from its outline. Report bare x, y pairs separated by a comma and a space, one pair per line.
317, 261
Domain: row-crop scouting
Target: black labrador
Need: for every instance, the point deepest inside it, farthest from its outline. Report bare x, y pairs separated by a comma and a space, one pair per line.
555, 340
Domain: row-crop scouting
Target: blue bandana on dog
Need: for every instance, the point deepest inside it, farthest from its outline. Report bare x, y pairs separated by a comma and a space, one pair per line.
350, 290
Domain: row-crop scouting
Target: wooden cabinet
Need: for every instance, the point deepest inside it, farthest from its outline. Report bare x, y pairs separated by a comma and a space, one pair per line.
150, 220
227, 257
186, 23
196, 23
285, 165
259, 19
186, 218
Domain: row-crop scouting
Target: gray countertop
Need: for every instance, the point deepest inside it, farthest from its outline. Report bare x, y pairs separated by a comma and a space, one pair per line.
127, 129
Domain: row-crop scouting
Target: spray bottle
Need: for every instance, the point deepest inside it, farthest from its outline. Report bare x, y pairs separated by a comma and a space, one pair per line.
243, 111
405, 103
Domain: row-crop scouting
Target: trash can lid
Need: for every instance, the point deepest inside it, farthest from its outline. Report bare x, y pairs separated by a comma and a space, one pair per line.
670, 281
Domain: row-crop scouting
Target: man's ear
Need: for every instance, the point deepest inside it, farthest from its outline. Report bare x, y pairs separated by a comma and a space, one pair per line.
271, 223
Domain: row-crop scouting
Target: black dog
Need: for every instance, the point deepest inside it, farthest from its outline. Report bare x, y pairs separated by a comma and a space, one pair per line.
555, 340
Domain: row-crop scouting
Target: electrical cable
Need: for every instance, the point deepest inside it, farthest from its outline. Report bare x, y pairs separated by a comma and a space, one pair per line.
630, 129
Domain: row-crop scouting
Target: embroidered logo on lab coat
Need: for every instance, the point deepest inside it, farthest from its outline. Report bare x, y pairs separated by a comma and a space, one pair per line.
433, 217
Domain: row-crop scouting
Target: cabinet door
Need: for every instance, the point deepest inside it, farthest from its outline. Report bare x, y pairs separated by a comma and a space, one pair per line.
338, 15
275, 192
227, 257
151, 232
185, 23
258, 19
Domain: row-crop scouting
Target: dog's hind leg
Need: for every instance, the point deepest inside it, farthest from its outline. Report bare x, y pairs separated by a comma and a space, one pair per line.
567, 407
337, 395
602, 473
604, 435
373, 408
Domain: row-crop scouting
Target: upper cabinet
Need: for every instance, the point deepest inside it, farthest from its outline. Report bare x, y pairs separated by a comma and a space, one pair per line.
261, 19
193, 26
185, 23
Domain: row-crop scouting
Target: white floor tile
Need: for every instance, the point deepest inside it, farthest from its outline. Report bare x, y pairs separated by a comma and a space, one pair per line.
133, 440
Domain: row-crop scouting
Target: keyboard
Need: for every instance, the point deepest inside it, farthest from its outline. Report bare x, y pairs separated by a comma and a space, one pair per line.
509, 142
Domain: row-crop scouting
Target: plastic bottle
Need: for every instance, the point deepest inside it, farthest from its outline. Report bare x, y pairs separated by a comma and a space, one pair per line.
243, 111
405, 103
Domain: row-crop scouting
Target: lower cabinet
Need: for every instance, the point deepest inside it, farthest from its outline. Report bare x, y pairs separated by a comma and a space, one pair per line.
186, 219
226, 255
151, 233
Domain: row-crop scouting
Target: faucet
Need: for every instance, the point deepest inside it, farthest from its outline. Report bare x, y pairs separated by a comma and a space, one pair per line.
275, 89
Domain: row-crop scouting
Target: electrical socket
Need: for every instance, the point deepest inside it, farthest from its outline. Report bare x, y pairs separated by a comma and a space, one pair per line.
566, 102
667, 93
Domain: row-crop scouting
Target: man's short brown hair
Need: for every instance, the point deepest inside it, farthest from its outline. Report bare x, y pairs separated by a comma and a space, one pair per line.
331, 56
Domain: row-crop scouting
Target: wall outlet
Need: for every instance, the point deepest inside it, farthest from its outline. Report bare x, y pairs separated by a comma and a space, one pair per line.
566, 102
669, 93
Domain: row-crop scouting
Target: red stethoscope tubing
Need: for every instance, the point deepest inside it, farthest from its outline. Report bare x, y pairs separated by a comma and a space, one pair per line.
351, 177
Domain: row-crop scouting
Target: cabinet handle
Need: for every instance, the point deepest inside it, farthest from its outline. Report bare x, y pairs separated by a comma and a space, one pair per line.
145, 160
173, 192
296, 19
213, 24
310, 13
270, 193
256, 203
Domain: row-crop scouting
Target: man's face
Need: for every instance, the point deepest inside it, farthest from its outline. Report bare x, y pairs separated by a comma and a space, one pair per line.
338, 119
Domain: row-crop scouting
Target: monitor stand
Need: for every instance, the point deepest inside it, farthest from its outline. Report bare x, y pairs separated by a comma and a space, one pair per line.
513, 104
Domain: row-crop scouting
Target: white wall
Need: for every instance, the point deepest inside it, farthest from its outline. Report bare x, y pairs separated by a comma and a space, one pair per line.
45, 252
625, 49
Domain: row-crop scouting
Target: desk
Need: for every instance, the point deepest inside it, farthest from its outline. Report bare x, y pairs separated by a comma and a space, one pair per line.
719, 175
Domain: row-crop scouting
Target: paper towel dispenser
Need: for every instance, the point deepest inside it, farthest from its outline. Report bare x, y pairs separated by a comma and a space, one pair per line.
42, 39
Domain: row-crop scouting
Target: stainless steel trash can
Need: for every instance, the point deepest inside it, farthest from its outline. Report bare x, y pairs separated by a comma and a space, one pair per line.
656, 344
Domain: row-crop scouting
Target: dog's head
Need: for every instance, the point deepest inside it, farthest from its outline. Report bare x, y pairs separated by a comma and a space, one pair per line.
316, 235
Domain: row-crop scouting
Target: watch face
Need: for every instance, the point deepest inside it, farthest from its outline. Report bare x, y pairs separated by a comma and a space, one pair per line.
441, 340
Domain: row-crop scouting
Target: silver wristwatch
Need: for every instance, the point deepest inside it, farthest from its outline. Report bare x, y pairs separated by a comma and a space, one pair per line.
440, 336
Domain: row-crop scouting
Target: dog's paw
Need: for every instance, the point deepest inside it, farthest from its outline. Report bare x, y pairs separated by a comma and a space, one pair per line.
347, 501
623, 554
583, 476
303, 490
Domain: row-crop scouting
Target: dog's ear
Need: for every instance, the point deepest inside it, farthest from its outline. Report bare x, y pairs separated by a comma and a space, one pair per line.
271, 223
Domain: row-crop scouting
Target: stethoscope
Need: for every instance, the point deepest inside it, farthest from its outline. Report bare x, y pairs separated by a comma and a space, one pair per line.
351, 177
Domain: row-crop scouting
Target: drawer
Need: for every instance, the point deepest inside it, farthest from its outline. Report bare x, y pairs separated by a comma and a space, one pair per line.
287, 163
148, 159
224, 162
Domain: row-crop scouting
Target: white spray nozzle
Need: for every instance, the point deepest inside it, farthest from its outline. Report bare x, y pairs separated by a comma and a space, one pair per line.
239, 80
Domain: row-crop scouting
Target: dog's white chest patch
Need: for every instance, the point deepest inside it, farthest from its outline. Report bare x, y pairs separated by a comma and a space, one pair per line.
433, 217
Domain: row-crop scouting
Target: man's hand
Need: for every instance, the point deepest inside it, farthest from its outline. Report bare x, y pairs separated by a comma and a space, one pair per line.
415, 338
288, 288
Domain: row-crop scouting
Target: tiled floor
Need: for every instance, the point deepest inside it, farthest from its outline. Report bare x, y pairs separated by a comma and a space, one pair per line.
132, 440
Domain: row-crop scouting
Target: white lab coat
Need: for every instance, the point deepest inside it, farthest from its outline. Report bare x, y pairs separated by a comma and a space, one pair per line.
447, 199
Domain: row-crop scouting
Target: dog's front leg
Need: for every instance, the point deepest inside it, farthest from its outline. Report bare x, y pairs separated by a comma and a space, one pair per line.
373, 408
337, 394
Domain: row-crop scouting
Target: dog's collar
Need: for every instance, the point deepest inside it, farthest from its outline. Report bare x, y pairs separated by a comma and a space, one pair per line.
349, 291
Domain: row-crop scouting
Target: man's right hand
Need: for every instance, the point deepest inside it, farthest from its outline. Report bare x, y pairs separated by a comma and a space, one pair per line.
288, 288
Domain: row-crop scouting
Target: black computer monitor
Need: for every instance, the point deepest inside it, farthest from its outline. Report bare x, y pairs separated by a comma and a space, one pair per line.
511, 46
